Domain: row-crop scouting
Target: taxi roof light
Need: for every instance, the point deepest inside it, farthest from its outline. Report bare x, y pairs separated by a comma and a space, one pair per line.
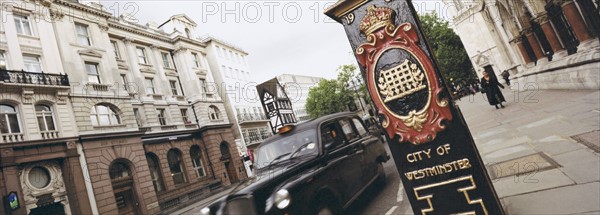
285, 129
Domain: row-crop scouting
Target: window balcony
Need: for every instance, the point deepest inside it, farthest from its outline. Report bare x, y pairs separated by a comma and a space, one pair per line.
49, 135
250, 117
12, 137
22, 77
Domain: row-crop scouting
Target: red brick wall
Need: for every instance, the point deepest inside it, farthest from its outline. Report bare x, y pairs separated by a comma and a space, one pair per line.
100, 155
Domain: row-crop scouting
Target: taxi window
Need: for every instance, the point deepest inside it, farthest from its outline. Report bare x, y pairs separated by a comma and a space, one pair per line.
359, 127
348, 130
331, 136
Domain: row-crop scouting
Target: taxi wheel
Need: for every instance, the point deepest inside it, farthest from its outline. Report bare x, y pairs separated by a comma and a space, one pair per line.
327, 206
325, 211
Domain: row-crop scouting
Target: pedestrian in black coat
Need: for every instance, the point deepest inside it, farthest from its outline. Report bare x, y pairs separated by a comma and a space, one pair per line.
490, 86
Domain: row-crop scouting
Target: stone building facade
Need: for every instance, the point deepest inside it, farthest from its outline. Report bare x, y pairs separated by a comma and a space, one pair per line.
101, 115
544, 44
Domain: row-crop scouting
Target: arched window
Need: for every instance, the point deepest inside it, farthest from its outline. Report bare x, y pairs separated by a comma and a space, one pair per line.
104, 115
9, 120
154, 167
224, 151
119, 170
214, 113
196, 156
176, 166
45, 118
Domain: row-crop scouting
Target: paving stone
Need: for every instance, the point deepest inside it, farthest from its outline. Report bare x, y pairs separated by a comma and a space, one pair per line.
582, 165
558, 147
507, 154
498, 144
574, 199
536, 181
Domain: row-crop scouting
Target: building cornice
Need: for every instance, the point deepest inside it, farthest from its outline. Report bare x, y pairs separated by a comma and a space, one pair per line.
85, 8
134, 30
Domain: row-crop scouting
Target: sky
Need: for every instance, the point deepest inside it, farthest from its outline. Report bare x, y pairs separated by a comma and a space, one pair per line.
291, 37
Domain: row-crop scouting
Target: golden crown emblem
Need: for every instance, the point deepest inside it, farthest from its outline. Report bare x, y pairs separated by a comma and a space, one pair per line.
376, 18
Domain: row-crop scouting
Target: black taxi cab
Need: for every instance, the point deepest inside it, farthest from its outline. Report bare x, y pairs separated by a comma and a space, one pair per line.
317, 167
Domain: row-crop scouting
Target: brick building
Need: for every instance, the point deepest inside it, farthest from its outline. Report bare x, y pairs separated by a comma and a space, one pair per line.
101, 115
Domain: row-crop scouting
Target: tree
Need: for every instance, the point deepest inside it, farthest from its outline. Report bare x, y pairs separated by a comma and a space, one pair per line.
448, 49
331, 96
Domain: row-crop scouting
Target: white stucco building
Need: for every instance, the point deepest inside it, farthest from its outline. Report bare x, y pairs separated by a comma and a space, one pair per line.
297, 88
232, 80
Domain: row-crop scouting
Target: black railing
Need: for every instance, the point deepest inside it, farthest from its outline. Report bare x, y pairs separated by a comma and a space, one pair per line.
22, 77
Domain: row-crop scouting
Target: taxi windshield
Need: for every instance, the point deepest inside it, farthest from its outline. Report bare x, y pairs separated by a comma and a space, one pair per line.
302, 143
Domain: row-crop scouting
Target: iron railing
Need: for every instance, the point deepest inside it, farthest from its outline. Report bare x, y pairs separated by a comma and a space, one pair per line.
23, 77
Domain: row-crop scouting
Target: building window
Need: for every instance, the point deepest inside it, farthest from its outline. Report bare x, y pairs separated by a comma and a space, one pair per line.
138, 117
166, 57
214, 113
202, 86
155, 175
119, 170
83, 37
116, 49
32, 63
150, 86
254, 135
265, 133
196, 60
162, 120
141, 53
184, 116
9, 120
231, 74
22, 24
173, 85
103, 115
45, 118
224, 71
196, 156
3, 60
176, 166
92, 71
219, 51
124, 81
225, 53
39, 177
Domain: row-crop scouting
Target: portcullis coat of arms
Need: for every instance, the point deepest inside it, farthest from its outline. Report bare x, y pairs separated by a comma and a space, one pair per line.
405, 89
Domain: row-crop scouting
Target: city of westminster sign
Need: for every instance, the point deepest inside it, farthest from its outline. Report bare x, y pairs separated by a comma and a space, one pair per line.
440, 167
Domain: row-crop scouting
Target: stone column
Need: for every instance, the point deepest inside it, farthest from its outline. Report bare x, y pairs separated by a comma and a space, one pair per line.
14, 54
574, 18
549, 32
537, 50
522, 51
493, 9
74, 178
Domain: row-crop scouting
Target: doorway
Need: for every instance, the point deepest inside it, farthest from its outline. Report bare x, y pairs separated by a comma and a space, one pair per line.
51, 209
123, 184
226, 158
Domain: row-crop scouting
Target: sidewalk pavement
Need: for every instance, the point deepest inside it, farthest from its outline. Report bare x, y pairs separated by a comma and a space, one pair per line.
537, 162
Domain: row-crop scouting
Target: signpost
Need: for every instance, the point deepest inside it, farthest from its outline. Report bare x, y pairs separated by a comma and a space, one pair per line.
435, 154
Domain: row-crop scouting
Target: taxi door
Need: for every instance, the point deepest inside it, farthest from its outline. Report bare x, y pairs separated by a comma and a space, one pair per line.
344, 170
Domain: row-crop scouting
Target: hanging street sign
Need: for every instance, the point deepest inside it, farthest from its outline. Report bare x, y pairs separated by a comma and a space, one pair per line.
440, 167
